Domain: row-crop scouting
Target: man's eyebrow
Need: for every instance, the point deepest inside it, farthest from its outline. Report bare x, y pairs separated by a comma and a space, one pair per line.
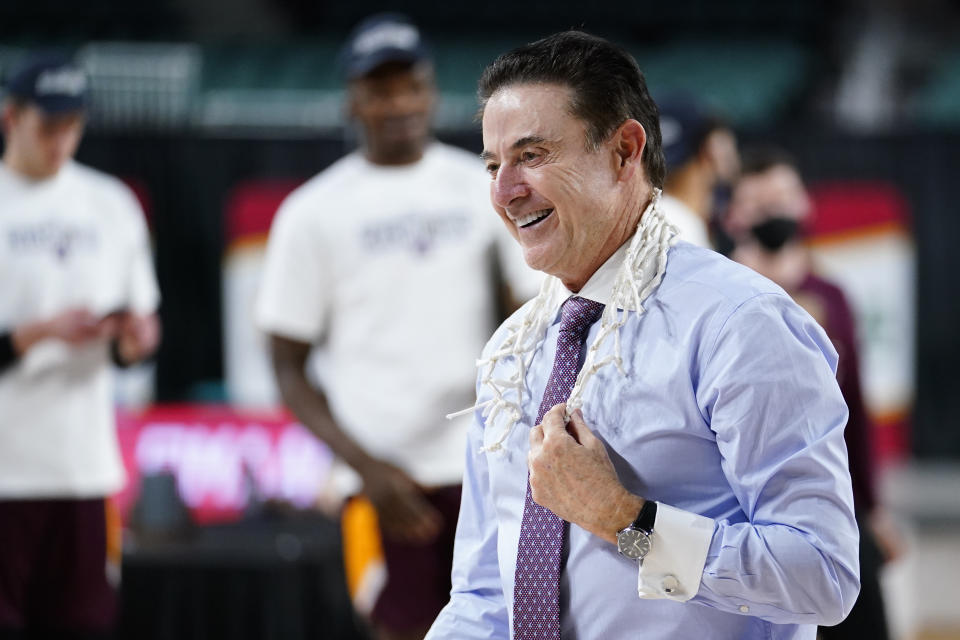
525, 140
522, 142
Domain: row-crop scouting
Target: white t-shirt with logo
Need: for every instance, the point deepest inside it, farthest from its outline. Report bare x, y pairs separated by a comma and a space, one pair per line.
389, 270
75, 240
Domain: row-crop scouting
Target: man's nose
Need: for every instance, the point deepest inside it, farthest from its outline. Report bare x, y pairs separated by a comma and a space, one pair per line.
508, 186
403, 102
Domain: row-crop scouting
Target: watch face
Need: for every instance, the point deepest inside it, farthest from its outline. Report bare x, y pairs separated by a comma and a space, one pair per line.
633, 543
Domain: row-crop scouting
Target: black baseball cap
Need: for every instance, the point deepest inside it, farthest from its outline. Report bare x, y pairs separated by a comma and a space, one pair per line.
382, 38
53, 83
684, 122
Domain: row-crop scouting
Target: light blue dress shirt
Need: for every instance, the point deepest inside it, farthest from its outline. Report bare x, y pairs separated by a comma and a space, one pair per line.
728, 409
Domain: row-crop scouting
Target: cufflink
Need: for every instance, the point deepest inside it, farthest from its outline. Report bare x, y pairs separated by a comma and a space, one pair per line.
670, 585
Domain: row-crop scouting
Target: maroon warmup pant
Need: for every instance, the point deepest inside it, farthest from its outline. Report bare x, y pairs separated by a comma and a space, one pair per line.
418, 575
53, 566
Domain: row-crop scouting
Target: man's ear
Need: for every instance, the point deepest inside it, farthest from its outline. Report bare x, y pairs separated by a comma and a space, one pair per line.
630, 140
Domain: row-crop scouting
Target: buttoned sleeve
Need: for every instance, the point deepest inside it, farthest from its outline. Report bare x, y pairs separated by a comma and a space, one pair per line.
768, 391
679, 546
476, 609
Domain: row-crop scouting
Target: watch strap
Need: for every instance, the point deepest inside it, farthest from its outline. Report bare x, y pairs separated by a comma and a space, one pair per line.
8, 353
647, 517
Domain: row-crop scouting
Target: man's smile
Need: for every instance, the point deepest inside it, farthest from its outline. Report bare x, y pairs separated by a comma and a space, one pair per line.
532, 218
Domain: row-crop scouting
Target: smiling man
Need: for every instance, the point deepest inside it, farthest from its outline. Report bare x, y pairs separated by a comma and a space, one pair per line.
657, 447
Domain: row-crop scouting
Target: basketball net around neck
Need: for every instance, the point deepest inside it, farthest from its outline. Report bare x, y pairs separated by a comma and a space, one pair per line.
640, 272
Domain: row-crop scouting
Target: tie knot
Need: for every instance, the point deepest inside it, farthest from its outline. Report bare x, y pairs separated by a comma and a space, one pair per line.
578, 314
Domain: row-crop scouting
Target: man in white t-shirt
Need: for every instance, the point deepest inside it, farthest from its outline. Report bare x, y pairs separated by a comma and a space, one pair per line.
386, 261
701, 160
78, 292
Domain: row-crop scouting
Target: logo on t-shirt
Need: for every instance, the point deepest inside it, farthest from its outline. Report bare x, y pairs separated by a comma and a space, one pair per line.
417, 233
52, 236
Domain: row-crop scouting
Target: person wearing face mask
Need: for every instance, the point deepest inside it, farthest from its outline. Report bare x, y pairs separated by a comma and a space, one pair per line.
767, 220
701, 161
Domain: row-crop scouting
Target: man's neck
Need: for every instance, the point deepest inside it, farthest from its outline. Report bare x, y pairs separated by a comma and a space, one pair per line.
619, 236
602, 286
9, 162
13, 163
389, 158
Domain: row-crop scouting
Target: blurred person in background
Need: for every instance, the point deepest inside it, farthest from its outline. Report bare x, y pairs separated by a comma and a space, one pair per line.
78, 294
384, 262
702, 162
768, 213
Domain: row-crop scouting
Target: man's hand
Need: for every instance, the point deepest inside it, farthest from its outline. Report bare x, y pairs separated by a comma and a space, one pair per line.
137, 335
571, 475
77, 326
886, 534
73, 326
402, 509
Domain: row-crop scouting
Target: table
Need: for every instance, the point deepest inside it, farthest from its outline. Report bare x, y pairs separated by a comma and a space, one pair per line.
274, 579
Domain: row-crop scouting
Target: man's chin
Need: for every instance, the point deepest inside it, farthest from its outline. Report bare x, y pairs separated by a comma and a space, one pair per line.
404, 146
45, 171
536, 259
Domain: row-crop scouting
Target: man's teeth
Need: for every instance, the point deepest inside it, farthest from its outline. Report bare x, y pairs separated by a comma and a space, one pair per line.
533, 217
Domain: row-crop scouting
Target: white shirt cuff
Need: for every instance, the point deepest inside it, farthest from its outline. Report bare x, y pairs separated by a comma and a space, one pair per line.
679, 545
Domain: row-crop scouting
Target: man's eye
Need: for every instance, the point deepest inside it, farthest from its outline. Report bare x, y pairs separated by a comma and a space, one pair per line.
492, 169
528, 156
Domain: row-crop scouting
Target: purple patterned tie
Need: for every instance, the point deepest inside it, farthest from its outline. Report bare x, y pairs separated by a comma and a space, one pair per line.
536, 597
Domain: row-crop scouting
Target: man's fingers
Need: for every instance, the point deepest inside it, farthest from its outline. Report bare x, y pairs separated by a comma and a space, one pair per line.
410, 517
536, 437
424, 522
81, 316
83, 320
108, 327
553, 421
577, 427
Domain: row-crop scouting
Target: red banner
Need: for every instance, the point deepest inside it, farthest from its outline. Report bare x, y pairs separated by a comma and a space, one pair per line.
222, 458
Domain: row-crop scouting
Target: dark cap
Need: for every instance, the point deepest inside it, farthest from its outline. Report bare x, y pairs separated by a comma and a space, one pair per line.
684, 124
51, 82
382, 38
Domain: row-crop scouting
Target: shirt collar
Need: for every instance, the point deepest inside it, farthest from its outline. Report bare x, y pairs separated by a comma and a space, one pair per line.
599, 287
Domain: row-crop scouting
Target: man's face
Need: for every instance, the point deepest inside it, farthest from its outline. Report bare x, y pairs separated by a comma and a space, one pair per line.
40, 143
393, 103
720, 149
557, 197
777, 192
765, 212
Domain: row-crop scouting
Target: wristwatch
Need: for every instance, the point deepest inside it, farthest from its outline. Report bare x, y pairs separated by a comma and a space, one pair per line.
634, 541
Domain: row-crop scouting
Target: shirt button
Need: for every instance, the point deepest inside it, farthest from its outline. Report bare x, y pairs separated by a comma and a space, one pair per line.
669, 584
744, 609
